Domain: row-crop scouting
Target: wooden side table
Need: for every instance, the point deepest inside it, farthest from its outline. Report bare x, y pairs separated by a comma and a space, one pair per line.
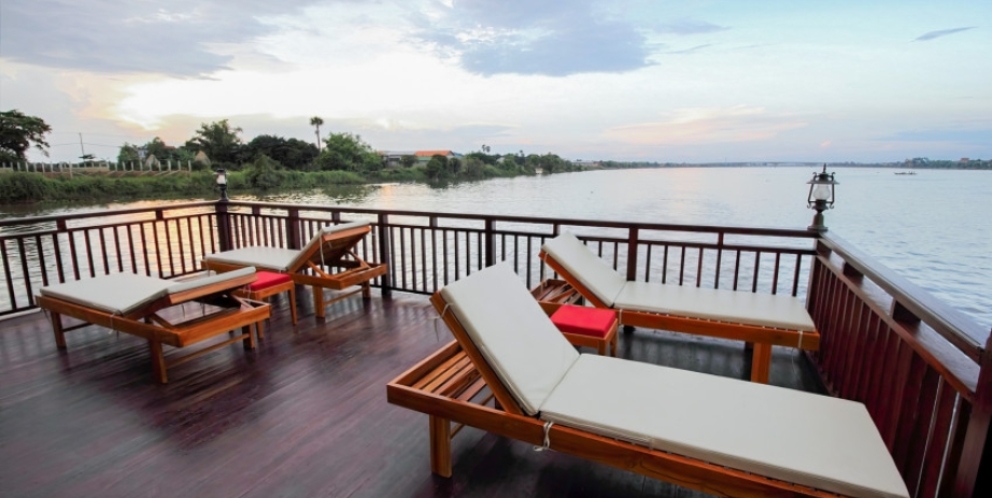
268, 284
592, 327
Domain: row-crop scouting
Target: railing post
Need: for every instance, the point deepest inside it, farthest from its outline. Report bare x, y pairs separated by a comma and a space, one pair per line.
224, 227
293, 229
386, 283
974, 476
632, 254
490, 243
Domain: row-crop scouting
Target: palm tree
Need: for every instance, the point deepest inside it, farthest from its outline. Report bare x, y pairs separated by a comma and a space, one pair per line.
316, 122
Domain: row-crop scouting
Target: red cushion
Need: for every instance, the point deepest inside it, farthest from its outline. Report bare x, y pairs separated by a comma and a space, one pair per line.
581, 320
266, 279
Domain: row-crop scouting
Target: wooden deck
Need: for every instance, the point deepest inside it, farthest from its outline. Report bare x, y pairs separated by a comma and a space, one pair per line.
303, 415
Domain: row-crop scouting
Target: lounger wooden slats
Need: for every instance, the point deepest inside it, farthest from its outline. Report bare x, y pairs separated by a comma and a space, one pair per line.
417, 389
552, 294
762, 337
233, 313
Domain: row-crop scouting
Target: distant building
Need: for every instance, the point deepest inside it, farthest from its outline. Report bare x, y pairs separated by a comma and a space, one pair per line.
423, 156
394, 158
588, 164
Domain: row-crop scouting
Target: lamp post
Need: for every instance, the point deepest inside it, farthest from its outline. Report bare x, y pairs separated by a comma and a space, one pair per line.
821, 197
222, 184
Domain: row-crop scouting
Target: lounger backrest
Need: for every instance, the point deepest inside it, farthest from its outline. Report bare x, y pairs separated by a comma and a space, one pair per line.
211, 280
309, 249
584, 265
515, 336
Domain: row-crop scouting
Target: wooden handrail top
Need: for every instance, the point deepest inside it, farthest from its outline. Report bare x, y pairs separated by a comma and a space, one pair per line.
764, 231
28, 220
960, 330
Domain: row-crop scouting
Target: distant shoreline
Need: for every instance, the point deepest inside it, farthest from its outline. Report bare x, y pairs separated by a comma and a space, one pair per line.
941, 165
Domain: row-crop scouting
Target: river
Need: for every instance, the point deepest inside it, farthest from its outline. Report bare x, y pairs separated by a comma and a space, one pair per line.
930, 227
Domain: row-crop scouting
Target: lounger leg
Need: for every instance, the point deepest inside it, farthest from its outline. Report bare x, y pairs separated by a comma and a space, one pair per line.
318, 302
440, 446
292, 303
761, 363
57, 328
158, 362
366, 291
249, 342
613, 345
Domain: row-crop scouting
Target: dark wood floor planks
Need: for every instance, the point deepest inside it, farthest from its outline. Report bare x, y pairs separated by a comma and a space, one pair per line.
303, 415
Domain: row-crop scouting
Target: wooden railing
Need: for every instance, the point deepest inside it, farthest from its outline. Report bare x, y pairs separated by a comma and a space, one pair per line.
921, 368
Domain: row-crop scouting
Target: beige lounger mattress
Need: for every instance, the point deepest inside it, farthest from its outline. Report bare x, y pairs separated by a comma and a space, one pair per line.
123, 293
751, 308
803, 438
765, 310
275, 258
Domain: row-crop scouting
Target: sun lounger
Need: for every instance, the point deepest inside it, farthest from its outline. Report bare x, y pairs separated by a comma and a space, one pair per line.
762, 319
132, 303
333, 246
722, 436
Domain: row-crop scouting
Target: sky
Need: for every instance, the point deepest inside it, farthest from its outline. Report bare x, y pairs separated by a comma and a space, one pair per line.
632, 80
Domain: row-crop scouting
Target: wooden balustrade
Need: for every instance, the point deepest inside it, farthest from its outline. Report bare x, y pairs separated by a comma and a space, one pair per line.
921, 368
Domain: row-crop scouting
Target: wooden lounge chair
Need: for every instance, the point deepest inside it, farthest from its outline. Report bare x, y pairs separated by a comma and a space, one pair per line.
132, 303
333, 246
722, 436
762, 319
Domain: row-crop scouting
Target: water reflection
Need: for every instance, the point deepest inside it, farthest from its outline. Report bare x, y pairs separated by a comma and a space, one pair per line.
928, 227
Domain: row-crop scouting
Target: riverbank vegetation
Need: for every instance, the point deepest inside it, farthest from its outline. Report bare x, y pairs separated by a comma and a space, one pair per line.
265, 163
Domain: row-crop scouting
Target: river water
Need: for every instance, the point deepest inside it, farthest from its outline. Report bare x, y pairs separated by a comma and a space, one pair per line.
930, 227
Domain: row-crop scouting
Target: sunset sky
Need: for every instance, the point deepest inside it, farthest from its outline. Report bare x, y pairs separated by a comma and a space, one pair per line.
691, 81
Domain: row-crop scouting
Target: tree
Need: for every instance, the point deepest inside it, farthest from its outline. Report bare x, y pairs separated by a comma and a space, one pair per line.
292, 153
19, 132
347, 152
263, 174
473, 168
408, 160
437, 168
219, 141
130, 153
316, 121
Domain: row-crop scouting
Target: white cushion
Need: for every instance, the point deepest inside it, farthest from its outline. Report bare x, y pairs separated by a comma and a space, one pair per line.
511, 331
117, 294
210, 280
269, 258
585, 266
731, 306
803, 438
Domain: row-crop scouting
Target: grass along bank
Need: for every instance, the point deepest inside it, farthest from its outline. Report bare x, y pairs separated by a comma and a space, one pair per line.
261, 176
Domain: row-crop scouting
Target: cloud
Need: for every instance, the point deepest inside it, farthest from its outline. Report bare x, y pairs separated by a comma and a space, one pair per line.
690, 49
707, 126
971, 136
555, 38
172, 38
943, 32
690, 27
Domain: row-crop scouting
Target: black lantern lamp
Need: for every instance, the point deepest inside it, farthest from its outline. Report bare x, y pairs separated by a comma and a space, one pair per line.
821, 197
222, 184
